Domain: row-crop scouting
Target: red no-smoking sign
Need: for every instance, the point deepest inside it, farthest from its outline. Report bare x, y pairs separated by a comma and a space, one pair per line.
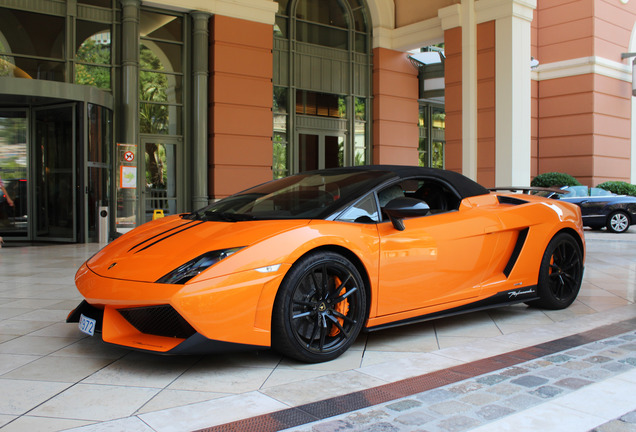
129, 156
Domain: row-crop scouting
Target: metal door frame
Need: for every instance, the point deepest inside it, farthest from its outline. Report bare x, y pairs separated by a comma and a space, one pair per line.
179, 174
321, 133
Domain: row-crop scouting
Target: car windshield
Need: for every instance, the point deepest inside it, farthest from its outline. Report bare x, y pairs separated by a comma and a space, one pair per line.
584, 191
312, 195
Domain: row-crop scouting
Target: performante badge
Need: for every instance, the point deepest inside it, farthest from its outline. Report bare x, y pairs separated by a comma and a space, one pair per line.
516, 293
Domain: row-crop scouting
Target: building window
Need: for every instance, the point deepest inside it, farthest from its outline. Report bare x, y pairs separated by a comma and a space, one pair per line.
322, 59
280, 140
360, 132
320, 104
160, 73
34, 48
93, 57
432, 126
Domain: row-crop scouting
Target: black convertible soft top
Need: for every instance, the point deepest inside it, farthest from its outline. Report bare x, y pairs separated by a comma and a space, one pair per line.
464, 186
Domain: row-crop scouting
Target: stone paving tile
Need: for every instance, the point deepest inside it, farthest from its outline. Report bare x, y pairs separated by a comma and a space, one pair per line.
483, 399
625, 423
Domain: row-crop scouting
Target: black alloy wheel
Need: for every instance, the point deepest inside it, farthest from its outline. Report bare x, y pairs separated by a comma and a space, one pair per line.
560, 274
320, 308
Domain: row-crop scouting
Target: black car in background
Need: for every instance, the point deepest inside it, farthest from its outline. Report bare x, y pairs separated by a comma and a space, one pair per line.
601, 208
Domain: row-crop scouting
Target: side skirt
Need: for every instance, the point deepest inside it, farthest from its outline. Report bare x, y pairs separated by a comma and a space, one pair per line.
504, 298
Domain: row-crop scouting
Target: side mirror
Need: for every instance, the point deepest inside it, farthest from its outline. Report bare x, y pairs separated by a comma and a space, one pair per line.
400, 208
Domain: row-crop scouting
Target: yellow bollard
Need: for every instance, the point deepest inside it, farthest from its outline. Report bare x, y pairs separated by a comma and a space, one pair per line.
158, 213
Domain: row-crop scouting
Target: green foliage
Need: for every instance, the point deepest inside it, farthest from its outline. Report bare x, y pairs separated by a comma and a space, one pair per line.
153, 117
93, 75
618, 187
554, 179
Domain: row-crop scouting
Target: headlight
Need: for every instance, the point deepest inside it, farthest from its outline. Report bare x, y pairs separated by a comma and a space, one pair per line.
193, 267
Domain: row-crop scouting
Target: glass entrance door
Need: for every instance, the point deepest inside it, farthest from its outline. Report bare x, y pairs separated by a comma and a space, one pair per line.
160, 188
318, 150
54, 173
13, 172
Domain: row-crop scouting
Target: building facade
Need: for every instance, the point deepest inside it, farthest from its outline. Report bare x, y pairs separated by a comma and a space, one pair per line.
113, 112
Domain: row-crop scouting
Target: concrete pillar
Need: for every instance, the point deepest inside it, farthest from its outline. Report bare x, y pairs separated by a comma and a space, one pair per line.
469, 89
513, 93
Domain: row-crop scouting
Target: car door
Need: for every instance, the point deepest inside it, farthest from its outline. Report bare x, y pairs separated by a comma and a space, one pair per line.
437, 259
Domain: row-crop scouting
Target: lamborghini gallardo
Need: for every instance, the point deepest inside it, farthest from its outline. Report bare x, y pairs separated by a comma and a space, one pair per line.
305, 263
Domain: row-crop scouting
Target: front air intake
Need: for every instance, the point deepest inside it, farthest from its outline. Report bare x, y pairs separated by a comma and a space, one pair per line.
162, 320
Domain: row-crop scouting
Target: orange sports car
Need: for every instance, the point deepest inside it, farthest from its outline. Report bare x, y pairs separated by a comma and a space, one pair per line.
305, 263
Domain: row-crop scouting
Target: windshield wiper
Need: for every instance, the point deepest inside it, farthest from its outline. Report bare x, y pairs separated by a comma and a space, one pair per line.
227, 217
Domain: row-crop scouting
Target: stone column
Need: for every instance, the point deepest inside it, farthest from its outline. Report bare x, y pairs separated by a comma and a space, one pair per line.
130, 71
513, 88
200, 74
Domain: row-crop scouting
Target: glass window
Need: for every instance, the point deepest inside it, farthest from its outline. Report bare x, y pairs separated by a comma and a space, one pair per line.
364, 211
160, 87
432, 127
282, 7
94, 49
38, 36
279, 164
100, 122
321, 35
160, 56
160, 119
329, 12
280, 100
360, 144
100, 3
360, 42
160, 26
359, 20
93, 42
280, 27
361, 108
334, 151
320, 104
97, 76
33, 34
32, 68
280, 161
13, 172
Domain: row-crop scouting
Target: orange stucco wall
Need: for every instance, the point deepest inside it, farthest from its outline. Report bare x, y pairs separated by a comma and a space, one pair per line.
453, 98
395, 108
582, 123
486, 104
585, 127
241, 68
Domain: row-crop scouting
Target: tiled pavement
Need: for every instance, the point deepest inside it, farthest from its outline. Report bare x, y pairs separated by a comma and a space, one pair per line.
587, 385
53, 378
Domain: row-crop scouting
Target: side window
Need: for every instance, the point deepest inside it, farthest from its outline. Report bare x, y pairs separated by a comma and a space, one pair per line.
439, 197
436, 194
364, 211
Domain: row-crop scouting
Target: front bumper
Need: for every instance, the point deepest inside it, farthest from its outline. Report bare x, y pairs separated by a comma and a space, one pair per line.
149, 329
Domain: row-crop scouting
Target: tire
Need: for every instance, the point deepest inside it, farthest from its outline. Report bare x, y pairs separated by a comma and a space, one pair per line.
560, 273
618, 222
316, 319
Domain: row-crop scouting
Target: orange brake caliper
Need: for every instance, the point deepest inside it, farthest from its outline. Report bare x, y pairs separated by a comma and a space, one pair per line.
342, 307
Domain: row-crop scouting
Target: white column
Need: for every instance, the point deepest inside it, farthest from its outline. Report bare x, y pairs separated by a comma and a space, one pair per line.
469, 89
513, 87
632, 48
